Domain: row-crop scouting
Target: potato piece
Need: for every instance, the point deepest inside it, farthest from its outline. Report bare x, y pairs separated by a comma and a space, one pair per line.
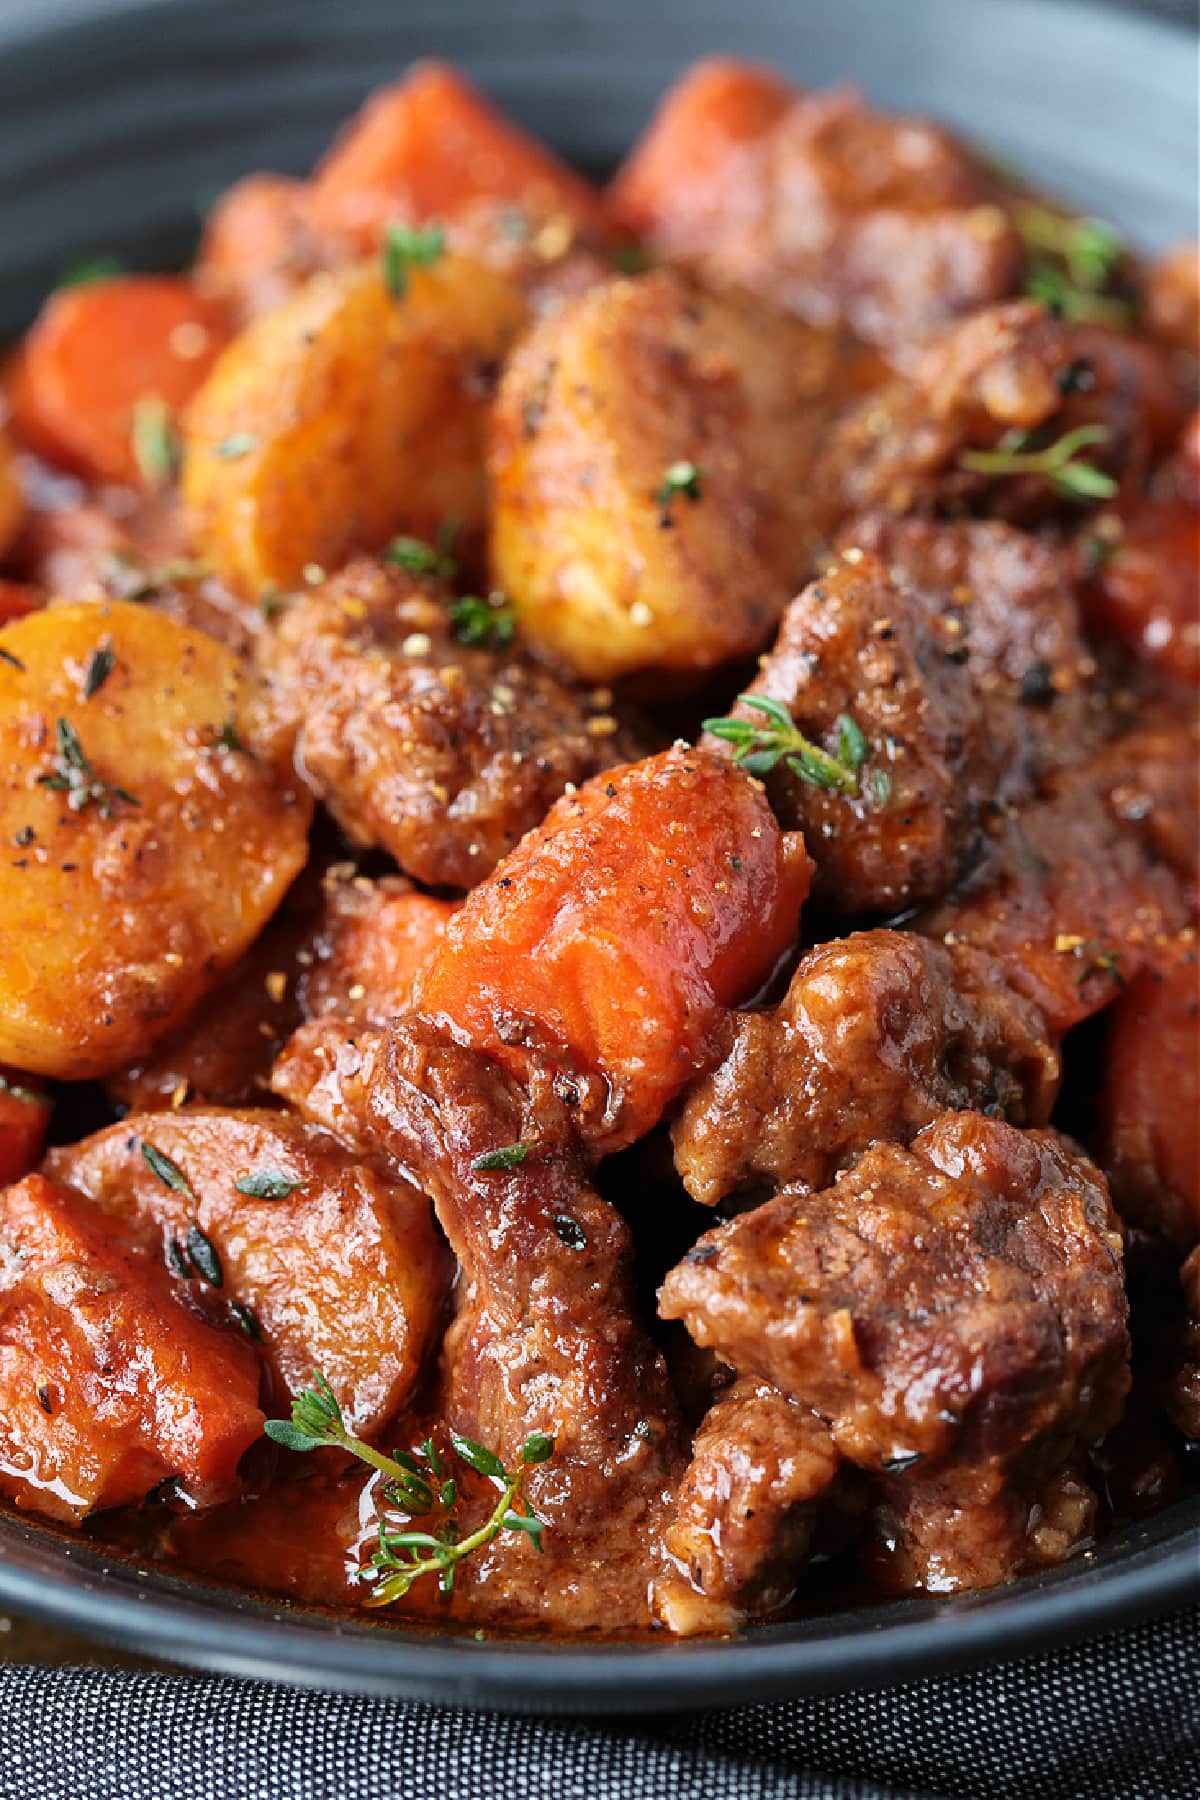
344, 416
613, 566
150, 830
12, 500
109, 1380
344, 1272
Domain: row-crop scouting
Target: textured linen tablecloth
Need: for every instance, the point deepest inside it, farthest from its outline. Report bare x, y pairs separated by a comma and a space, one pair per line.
1114, 1719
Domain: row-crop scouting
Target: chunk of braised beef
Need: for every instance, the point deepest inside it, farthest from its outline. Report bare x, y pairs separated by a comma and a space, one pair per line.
441, 753
878, 1034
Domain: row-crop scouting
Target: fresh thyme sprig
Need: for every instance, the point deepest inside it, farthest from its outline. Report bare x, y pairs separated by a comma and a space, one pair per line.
1018, 454
74, 776
759, 748
408, 247
417, 1482
1072, 265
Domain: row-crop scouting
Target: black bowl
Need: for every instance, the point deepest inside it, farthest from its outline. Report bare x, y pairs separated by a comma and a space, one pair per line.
116, 129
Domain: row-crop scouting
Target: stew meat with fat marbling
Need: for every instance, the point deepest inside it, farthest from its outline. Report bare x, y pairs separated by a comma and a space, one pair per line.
598, 977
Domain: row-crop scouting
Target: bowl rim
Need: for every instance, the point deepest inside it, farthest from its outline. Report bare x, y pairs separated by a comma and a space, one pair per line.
68, 1583
1148, 1570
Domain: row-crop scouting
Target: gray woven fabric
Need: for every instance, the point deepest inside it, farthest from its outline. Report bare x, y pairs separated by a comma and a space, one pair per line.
1117, 1719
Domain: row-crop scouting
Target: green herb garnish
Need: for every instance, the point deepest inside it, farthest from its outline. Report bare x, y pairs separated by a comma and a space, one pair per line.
228, 741
1059, 463
247, 1319
491, 622
13, 661
759, 748
1073, 263
93, 268
681, 478
266, 1184
569, 1231
74, 776
417, 1482
510, 1156
203, 1256
101, 664
155, 448
408, 247
237, 445
168, 1172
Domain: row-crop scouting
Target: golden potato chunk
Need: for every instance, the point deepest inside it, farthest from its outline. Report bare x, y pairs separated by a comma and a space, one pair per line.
340, 1268
150, 825
651, 458
347, 414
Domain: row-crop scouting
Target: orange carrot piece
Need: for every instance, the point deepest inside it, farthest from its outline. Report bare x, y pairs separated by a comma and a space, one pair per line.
616, 934
689, 156
429, 147
95, 352
24, 1116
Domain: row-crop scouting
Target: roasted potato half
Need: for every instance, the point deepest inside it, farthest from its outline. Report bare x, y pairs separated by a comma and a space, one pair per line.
349, 413
150, 825
651, 460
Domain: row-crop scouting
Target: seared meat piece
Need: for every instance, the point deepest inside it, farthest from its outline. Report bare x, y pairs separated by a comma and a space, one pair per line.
877, 1035
364, 1316
545, 1338
1026, 658
962, 669
441, 754
1150, 1104
960, 1527
829, 209
1183, 1397
1013, 379
109, 1380
1070, 896
746, 1510
960, 1302
345, 946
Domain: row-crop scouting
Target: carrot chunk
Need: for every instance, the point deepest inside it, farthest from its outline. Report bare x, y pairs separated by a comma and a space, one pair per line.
709, 122
429, 147
109, 1382
24, 1116
616, 934
95, 352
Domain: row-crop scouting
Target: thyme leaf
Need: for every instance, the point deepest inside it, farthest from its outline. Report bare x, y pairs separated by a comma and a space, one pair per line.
155, 447
168, 1172
1073, 265
509, 1156
761, 747
408, 247
266, 1184
680, 478
101, 664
